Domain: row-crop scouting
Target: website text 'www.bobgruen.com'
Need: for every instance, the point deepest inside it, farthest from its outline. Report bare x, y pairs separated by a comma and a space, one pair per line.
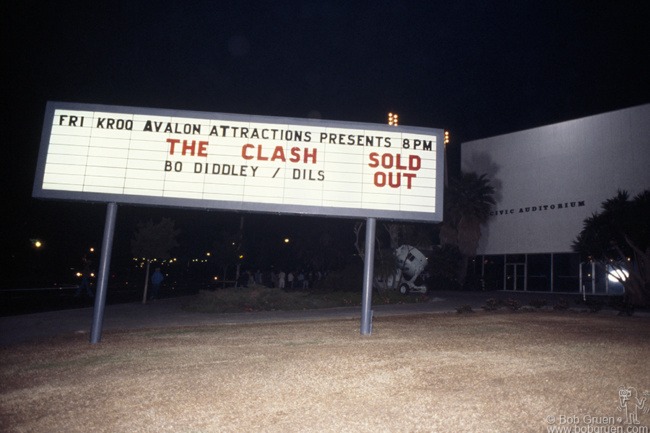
597, 429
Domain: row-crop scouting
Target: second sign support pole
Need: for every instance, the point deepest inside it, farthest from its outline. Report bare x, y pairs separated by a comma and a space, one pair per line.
368, 272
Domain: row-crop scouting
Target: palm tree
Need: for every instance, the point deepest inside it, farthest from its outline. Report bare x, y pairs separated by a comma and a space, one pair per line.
619, 236
468, 202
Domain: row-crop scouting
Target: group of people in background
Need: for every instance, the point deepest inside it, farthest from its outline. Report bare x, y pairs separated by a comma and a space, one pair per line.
298, 280
292, 280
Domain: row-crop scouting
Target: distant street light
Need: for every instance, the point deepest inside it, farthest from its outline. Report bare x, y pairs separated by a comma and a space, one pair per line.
36, 243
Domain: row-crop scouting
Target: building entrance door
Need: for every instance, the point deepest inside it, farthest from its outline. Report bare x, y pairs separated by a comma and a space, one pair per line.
515, 276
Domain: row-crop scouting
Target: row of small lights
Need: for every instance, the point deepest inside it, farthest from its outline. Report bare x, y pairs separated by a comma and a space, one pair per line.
141, 261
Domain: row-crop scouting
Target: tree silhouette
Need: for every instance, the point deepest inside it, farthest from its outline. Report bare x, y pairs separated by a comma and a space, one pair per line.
468, 202
153, 241
619, 236
228, 247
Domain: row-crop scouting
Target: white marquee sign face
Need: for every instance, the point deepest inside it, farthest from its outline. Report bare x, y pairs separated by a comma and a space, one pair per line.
234, 162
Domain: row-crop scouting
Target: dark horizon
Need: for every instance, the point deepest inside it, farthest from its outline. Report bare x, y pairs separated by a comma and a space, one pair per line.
475, 69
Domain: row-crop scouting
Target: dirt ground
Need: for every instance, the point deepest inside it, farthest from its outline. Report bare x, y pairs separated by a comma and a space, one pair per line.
478, 372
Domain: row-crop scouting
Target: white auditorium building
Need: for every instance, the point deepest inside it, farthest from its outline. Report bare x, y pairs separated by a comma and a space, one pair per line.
547, 181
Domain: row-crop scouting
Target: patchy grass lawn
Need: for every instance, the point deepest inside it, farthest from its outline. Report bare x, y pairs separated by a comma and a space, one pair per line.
485, 372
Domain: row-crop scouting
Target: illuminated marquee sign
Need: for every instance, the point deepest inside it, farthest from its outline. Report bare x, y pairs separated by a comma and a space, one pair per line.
235, 162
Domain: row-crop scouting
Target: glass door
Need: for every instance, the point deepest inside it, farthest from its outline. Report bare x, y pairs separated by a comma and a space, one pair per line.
515, 276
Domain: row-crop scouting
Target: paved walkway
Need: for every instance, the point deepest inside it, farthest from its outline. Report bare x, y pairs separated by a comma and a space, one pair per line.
170, 313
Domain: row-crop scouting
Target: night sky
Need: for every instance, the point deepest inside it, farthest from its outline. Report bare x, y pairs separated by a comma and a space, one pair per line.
476, 68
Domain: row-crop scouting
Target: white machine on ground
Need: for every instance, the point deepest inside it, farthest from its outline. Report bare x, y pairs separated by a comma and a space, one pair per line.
410, 264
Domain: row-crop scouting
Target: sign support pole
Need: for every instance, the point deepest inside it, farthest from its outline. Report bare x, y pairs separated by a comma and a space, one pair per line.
368, 272
104, 272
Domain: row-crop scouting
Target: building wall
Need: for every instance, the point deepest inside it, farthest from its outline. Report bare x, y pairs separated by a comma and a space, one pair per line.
549, 179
